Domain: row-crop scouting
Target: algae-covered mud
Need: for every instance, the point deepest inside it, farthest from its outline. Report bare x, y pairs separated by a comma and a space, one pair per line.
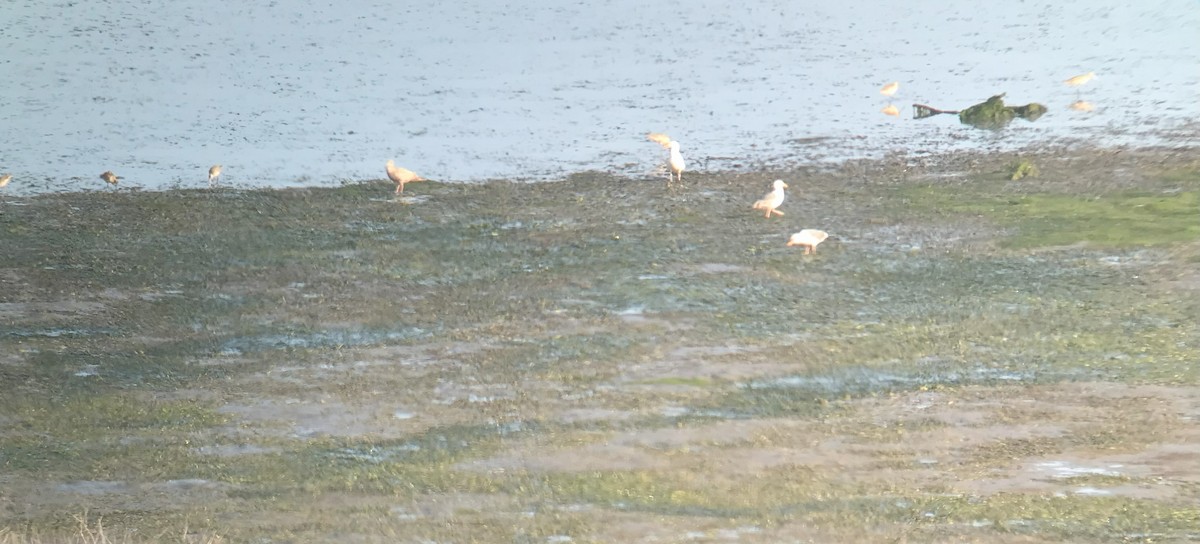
967, 358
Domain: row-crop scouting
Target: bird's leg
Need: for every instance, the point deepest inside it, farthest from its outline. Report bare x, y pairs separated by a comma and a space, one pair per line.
777, 211
768, 214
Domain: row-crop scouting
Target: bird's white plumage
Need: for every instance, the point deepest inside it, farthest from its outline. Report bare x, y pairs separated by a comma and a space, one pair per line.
808, 239
772, 199
676, 161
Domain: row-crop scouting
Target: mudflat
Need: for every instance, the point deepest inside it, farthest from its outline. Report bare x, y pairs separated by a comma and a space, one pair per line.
601, 359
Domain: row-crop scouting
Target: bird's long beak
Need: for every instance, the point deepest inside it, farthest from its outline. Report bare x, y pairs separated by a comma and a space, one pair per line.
785, 186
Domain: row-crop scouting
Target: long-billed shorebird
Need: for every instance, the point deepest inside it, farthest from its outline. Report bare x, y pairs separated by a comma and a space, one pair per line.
890, 89
214, 173
772, 199
1080, 79
110, 178
808, 239
400, 176
675, 162
5, 179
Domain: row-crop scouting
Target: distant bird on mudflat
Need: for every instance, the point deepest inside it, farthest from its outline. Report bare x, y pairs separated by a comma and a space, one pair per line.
214, 173
1080, 79
109, 177
890, 89
892, 110
675, 162
772, 199
5, 179
1082, 105
400, 176
808, 239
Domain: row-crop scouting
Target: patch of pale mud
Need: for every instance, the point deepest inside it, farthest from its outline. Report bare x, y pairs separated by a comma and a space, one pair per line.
718, 268
1151, 460
17, 312
450, 506
327, 416
916, 237
717, 363
645, 449
113, 496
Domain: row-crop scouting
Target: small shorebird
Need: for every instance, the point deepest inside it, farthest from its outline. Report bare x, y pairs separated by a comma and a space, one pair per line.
1080, 79
401, 176
892, 110
1081, 105
660, 139
5, 179
890, 89
675, 162
110, 178
808, 239
214, 173
772, 200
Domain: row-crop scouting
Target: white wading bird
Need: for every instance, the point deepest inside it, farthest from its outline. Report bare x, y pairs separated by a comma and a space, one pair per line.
772, 200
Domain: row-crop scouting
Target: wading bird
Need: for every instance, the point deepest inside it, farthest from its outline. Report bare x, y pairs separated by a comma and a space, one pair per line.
890, 89
214, 173
401, 176
109, 177
892, 110
772, 199
1081, 105
808, 239
5, 179
675, 162
1080, 79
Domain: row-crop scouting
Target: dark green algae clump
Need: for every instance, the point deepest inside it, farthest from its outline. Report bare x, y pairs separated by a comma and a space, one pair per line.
993, 114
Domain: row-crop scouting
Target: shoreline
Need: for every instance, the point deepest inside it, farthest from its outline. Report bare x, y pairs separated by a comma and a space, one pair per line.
779, 164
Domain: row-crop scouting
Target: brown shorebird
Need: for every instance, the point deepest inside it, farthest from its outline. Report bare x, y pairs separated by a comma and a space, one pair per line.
214, 173
401, 176
890, 89
5, 179
110, 178
892, 110
808, 239
660, 139
772, 200
675, 162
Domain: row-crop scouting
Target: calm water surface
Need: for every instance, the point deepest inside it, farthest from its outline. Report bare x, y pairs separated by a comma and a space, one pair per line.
307, 92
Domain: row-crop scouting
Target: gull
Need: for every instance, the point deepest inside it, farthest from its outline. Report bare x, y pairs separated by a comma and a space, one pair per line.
892, 110
109, 177
676, 162
214, 173
1080, 79
401, 176
808, 239
5, 179
772, 200
890, 89
660, 139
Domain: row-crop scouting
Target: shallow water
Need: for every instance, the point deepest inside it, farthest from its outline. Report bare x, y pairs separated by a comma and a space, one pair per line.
312, 92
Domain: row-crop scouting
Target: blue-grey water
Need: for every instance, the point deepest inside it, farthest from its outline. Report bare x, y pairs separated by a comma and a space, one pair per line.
307, 92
